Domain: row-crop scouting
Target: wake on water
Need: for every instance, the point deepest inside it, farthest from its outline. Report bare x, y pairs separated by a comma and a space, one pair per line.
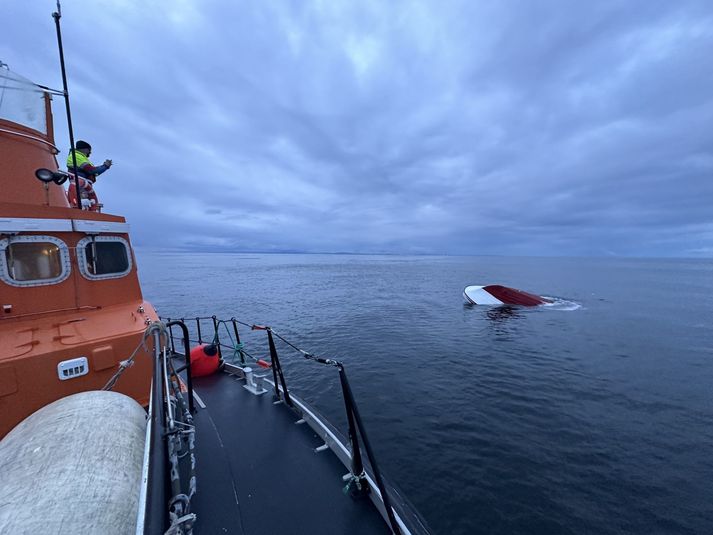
558, 304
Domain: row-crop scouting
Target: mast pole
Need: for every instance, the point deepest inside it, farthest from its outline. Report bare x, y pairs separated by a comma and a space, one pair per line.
56, 16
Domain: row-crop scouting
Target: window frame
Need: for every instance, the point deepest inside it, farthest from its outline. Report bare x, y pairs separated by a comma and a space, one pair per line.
65, 263
82, 257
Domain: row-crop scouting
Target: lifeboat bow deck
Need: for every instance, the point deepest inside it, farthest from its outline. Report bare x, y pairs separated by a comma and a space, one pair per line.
258, 471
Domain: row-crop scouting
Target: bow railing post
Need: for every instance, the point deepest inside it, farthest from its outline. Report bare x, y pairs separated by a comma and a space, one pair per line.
237, 341
187, 367
170, 334
347, 391
216, 338
277, 369
357, 466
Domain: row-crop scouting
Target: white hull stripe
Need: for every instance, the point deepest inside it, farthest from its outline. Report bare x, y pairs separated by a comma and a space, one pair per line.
90, 226
17, 224
476, 295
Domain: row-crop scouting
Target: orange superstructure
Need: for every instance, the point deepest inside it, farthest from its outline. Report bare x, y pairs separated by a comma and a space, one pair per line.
71, 304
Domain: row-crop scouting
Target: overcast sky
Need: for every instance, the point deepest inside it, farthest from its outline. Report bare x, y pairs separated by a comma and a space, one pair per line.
554, 127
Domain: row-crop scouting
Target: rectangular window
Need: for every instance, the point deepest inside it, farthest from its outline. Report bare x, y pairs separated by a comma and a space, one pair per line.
106, 257
33, 261
21, 101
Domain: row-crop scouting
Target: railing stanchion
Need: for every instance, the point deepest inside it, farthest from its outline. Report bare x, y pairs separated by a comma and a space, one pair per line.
216, 338
277, 369
187, 354
237, 339
377, 474
357, 465
170, 332
198, 324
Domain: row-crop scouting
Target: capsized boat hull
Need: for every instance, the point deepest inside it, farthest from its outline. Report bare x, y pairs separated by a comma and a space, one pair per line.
495, 294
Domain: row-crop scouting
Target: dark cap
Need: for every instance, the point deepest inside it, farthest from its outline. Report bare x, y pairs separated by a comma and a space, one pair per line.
83, 145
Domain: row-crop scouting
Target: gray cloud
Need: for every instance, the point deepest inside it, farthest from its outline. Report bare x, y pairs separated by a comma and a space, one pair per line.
421, 127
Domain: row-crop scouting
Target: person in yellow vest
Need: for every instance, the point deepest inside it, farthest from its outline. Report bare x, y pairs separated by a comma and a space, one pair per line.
85, 168
87, 173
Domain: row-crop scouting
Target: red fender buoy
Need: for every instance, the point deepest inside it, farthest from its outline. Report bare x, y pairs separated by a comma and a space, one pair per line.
204, 360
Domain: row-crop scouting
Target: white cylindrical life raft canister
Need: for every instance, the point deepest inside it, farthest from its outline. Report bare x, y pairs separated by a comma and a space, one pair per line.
74, 467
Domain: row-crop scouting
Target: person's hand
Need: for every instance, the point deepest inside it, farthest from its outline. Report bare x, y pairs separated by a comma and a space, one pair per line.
107, 163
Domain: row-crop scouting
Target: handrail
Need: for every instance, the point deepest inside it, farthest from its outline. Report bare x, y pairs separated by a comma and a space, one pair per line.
155, 517
352, 409
218, 343
187, 365
277, 369
33, 138
171, 423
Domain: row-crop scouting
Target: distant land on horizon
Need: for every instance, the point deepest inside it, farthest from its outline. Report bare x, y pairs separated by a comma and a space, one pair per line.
226, 250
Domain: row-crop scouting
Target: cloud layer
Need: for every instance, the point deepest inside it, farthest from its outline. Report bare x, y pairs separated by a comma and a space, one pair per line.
549, 128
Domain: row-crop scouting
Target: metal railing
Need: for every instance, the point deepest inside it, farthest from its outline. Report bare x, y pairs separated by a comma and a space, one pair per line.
155, 519
187, 365
171, 432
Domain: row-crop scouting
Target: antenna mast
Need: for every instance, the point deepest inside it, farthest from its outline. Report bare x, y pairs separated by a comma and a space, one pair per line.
56, 16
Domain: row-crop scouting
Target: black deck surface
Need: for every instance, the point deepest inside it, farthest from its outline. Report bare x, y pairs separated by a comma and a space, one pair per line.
258, 473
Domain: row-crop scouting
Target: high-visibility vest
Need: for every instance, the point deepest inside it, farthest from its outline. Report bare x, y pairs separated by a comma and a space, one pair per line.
81, 159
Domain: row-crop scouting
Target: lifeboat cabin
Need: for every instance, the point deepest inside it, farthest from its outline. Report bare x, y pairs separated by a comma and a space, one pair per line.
72, 307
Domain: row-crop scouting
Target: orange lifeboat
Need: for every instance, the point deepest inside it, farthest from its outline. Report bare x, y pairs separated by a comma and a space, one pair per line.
71, 308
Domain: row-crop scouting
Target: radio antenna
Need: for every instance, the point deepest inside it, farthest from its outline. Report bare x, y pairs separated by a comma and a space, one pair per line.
56, 16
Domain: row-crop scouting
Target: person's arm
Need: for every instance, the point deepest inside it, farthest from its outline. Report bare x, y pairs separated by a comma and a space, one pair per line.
96, 170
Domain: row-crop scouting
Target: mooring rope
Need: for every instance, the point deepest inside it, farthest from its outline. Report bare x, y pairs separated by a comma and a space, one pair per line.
128, 363
236, 346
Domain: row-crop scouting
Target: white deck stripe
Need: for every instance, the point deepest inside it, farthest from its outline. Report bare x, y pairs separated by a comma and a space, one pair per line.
198, 399
318, 421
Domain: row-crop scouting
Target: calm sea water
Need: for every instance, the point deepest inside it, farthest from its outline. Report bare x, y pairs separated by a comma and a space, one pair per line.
591, 416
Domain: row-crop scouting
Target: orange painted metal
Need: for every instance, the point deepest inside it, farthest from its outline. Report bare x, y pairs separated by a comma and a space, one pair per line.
22, 151
41, 326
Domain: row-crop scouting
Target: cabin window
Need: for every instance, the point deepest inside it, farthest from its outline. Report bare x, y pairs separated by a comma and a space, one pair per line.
21, 101
33, 260
103, 257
